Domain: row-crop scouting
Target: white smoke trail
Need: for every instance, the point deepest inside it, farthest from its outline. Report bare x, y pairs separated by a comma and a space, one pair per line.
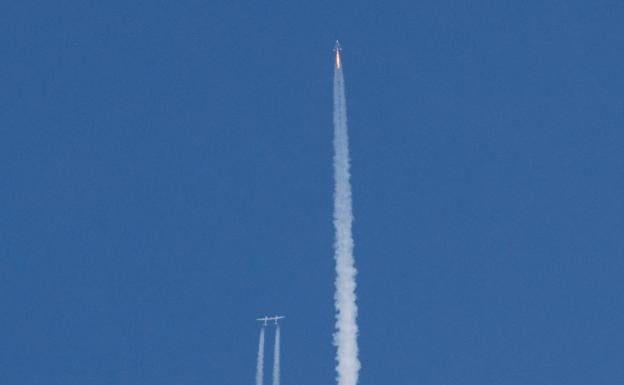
276, 357
345, 337
260, 363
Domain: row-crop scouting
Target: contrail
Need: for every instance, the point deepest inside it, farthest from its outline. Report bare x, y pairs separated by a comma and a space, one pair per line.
276, 357
345, 337
260, 363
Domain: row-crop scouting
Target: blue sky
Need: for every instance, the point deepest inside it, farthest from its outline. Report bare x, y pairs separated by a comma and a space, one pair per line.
165, 178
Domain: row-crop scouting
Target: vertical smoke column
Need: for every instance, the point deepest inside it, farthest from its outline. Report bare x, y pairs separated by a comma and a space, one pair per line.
276, 357
345, 337
260, 363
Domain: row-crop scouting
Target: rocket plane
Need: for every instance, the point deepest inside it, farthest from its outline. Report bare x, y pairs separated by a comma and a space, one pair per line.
337, 49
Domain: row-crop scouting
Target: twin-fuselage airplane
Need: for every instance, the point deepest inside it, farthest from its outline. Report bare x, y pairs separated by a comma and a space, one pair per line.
266, 319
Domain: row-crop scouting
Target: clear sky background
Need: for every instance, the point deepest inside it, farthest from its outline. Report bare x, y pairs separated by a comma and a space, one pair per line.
165, 178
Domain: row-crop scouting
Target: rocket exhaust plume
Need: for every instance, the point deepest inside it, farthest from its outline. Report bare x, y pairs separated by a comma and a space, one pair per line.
345, 336
260, 363
276, 357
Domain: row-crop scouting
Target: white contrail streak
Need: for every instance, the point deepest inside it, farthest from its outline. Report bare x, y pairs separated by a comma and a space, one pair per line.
260, 363
276, 357
345, 337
